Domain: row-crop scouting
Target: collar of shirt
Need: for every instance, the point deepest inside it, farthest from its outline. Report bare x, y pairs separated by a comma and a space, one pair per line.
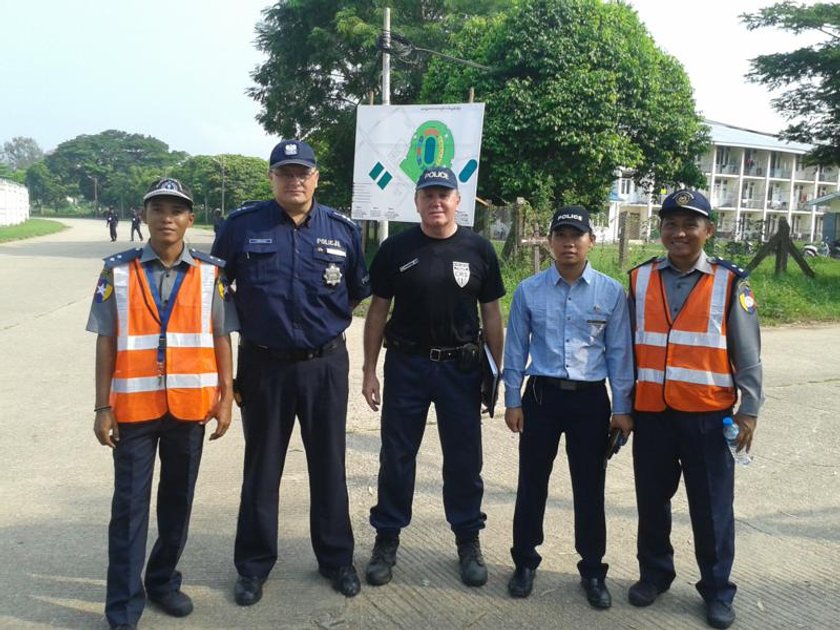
149, 254
285, 218
555, 277
702, 265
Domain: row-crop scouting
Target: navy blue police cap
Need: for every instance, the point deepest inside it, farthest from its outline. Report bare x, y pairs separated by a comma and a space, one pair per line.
686, 200
168, 187
437, 176
292, 152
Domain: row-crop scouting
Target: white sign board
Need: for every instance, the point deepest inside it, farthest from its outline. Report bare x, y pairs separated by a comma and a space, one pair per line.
394, 143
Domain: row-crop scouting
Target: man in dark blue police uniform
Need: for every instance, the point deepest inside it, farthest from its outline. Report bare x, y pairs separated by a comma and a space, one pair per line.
437, 274
299, 272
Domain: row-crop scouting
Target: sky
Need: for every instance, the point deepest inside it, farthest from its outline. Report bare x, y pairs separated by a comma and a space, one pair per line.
178, 69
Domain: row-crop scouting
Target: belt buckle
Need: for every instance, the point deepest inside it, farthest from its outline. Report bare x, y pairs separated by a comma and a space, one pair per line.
435, 354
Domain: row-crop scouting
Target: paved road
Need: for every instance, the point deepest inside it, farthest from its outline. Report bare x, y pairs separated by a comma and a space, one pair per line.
57, 484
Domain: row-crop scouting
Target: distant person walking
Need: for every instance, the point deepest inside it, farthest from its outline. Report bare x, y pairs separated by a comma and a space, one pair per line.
218, 219
136, 220
111, 220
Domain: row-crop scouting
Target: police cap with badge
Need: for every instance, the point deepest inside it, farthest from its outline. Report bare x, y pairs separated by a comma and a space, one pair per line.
572, 216
292, 152
168, 187
685, 199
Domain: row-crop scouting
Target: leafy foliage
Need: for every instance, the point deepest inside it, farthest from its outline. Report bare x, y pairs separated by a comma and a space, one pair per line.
810, 75
20, 153
579, 90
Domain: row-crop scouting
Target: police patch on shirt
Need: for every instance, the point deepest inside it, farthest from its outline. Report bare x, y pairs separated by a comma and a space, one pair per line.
224, 290
332, 275
746, 298
104, 289
461, 271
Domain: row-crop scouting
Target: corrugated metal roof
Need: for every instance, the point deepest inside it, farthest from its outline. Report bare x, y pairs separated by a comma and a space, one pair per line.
729, 135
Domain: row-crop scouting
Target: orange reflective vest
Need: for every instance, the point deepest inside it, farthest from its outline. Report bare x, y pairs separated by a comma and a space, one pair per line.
185, 383
682, 364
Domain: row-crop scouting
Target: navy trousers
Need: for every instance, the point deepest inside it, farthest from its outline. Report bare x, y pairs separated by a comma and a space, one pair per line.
275, 391
412, 384
584, 417
179, 445
666, 445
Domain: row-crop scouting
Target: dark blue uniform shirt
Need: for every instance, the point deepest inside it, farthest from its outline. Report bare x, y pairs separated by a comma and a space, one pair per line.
294, 284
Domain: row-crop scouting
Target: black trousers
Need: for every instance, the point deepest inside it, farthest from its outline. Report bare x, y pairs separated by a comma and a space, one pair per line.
584, 417
139, 233
276, 391
412, 384
665, 446
112, 229
179, 445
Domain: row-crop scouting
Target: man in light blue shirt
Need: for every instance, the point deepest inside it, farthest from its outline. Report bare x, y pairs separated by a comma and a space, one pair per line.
574, 324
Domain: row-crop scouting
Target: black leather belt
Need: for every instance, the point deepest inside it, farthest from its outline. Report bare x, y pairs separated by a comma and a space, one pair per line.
566, 384
434, 354
295, 354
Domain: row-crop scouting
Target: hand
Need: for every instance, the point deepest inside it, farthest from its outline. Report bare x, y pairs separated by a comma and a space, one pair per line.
746, 430
106, 429
221, 411
370, 390
515, 419
624, 422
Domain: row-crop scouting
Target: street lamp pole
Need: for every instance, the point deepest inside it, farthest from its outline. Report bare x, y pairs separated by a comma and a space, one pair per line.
95, 193
221, 163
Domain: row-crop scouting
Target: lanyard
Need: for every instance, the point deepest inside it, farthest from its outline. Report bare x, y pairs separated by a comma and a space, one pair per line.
164, 310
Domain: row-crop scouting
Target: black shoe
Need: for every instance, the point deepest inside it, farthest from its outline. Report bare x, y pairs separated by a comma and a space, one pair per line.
473, 571
719, 614
644, 593
173, 603
248, 590
596, 593
521, 582
383, 557
345, 580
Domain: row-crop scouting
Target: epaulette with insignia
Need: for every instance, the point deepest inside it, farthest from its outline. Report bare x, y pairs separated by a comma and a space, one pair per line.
246, 209
213, 260
647, 262
738, 271
122, 257
335, 214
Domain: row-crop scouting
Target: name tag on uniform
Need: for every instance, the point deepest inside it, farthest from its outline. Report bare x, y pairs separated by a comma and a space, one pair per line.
336, 252
409, 265
260, 241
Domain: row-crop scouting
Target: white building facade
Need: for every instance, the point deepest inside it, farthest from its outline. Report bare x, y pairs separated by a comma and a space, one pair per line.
753, 180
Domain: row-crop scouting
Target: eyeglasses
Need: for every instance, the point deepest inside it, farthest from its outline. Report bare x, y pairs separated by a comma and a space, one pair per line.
300, 176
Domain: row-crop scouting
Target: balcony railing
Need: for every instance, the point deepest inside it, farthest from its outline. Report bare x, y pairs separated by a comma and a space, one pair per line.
806, 174
780, 173
723, 202
828, 174
728, 169
753, 171
750, 202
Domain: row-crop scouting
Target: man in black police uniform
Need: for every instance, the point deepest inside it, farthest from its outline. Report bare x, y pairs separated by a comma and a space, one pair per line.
299, 272
436, 273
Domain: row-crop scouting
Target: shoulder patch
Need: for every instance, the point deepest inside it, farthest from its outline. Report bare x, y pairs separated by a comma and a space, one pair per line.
335, 214
738, 271
213, 260
647, 262
746, 297
122, 257
104, 286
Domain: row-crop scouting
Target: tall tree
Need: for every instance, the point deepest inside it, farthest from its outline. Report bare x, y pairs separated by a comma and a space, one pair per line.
579, 90
809, 76
45, 189
245, 178
100, 166
322, 60
20, 153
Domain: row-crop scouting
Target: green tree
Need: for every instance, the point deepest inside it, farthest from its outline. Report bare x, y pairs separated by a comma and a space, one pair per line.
579, 90
322, 61
20, 153
7, 172
101, 165
45, 189
810, 75
246, 178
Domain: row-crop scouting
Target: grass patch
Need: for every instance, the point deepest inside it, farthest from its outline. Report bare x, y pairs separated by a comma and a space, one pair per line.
30, 229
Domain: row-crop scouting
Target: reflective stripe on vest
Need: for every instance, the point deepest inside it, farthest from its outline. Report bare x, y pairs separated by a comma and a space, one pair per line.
682, 364
187, 387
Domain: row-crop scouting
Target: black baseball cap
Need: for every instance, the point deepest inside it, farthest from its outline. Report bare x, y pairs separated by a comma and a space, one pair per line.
292, 152
437, 176
168, 187
573, 216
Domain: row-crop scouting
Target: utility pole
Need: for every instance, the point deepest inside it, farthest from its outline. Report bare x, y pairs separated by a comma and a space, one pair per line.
386, 88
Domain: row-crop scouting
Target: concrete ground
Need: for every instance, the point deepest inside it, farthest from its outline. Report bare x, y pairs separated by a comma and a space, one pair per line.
57, 483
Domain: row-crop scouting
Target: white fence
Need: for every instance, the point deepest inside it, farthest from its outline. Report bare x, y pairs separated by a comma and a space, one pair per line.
14, 202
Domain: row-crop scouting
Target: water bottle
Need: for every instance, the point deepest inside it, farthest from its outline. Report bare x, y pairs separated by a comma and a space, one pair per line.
730, 432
